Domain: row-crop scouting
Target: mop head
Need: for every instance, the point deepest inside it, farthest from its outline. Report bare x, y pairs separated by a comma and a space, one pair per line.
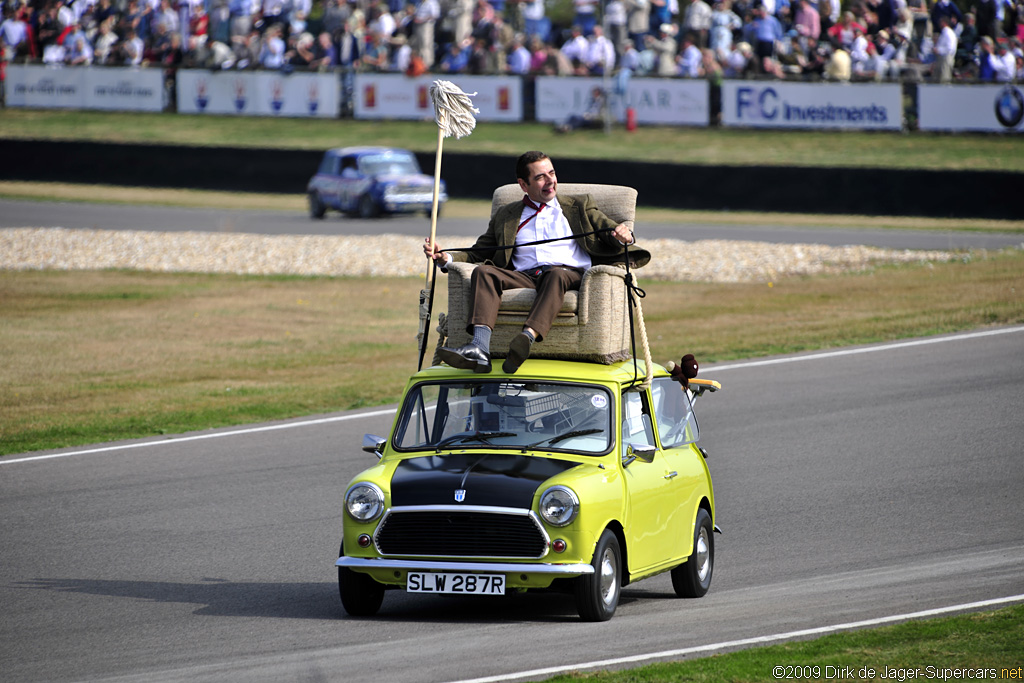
453, 110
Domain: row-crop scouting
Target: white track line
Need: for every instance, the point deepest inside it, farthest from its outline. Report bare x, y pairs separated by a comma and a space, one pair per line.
867, 349
759, 640
201, 437
308, 423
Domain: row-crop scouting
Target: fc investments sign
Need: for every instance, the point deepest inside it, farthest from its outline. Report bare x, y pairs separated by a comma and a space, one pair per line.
765, 104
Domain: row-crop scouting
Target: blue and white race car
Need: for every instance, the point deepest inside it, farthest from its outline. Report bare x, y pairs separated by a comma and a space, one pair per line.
370, 181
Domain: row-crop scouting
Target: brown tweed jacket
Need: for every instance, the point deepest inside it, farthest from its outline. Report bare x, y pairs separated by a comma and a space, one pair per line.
583, 217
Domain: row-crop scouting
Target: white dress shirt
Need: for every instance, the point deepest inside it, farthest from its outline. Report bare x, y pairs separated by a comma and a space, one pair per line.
548, 224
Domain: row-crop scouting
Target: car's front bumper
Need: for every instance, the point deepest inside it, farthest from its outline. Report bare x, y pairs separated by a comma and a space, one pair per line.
375, 563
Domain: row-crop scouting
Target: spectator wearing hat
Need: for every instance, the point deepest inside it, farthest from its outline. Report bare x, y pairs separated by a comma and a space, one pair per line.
576, 46
1004, 63
986, 59
663, 47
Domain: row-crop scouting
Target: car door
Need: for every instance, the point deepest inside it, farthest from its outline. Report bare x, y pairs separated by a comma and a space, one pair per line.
677, 429
653, 521
350, 183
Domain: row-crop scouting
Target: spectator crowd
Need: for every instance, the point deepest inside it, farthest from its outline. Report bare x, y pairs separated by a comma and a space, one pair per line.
940, 40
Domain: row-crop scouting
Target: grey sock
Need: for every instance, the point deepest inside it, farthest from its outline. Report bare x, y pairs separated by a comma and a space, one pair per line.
482, 337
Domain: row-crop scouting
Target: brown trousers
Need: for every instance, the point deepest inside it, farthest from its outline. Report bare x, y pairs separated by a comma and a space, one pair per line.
488, 282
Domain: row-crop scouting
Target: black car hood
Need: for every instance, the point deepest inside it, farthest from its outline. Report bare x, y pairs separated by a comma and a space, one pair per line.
493, 479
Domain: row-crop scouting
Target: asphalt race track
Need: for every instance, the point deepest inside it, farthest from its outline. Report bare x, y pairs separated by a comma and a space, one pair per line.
25, 214
852, 485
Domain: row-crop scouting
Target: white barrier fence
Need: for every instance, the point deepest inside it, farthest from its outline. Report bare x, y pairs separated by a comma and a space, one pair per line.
397, 96
259, 93
776, 104
82, 87
995, 108
655, 101
985, 108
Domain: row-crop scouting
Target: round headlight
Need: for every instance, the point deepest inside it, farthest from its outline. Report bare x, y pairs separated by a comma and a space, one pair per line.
364, 502
559, 505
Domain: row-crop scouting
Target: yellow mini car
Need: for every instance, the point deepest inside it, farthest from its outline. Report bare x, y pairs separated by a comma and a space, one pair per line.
564, 475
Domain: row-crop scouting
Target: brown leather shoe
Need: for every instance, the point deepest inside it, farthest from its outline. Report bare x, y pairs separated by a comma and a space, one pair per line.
518, 351
468, 357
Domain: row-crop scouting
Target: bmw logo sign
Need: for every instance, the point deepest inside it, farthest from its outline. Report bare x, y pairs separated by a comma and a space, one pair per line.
1009, 107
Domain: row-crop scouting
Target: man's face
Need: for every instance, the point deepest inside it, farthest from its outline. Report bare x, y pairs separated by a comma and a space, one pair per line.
541, 183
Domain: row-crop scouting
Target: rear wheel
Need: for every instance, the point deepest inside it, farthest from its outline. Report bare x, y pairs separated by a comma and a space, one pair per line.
692, 578
317, 208
597, 594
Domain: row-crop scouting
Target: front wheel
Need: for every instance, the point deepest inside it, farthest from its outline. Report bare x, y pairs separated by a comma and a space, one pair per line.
367, 207
692, 578
361, 596
597, 594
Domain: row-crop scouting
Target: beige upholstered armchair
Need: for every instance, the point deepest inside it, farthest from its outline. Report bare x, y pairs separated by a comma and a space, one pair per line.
593, 324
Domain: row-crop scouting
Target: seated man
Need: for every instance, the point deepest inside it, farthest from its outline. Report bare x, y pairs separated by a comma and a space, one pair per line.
552, 269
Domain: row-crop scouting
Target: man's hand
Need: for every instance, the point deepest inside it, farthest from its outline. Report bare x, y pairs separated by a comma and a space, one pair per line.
433, 251
623, 234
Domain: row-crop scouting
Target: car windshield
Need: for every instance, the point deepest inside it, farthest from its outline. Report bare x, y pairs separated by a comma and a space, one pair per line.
506, 414
388, 164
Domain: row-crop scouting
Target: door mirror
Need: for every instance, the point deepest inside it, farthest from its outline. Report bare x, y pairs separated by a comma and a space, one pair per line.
374, 444
637, 451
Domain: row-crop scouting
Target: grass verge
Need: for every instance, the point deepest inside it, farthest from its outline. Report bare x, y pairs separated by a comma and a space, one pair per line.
98, 356
983, 645
706, 146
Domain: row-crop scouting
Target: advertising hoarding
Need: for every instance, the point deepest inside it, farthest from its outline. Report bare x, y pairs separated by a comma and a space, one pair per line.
655, 101
777, 104
85, 87
397, 96
986, 108
259, 93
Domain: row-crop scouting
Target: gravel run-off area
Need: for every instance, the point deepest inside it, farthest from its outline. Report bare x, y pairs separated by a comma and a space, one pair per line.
400, 256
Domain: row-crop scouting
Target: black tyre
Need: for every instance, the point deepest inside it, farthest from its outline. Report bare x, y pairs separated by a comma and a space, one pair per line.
597, 594
367, 207
361, 596
692, 578
317, 208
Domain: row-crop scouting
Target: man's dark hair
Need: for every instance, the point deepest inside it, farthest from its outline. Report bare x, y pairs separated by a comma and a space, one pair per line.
524, 161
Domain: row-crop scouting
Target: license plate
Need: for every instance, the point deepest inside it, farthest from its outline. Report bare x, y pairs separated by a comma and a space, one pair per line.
460, 584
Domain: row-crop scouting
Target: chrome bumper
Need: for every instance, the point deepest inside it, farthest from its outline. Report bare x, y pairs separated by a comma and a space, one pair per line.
491, 567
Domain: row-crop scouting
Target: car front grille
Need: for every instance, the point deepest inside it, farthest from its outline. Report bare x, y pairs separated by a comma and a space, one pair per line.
461, 533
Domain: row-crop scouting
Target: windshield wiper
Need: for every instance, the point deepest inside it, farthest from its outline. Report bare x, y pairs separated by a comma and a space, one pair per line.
568, 435
482, 437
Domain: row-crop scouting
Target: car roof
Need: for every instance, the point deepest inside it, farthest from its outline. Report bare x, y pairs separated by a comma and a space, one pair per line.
622, 372
370, 149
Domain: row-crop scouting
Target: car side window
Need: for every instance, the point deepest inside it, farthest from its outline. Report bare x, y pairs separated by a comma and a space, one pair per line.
677, 425
636, 420
348, 168
329, 165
